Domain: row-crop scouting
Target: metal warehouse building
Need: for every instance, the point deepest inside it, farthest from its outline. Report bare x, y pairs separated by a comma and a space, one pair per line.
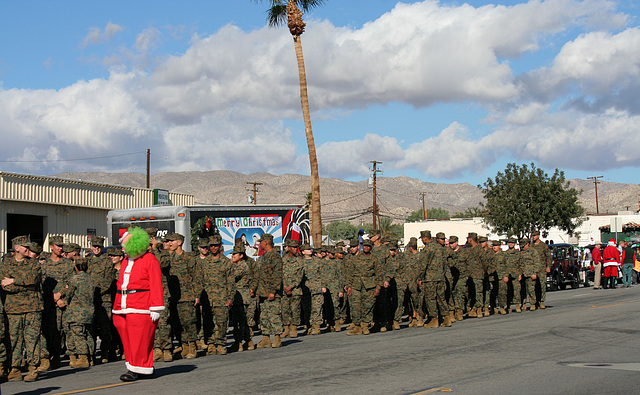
40, 206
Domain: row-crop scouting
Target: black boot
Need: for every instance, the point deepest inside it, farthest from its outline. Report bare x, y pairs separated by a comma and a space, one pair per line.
614, 282
605, 282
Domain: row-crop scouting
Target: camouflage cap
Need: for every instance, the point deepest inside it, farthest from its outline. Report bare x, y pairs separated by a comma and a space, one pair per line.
291, 243
535, 233
340, 244
524, 241
354, 243
204, 243
34, 247
482, 239
367, 243
512, 240
495, 242
425, 233
393, 246
338, 250
97, 241
57, 240
472, 235
215, 240
386, 238
440, 235
20, 241
174, 236
266, 237
305, 246
152, 232
238, 249
114, 251
453, 239
71, 247
413, 244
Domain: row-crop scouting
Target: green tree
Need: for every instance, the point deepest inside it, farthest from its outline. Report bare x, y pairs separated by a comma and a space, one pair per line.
386, 226
523, 199
432, 213
279, 12
341, 230
470, 212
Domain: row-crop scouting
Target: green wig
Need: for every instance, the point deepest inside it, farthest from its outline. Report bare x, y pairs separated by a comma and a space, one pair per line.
136, 242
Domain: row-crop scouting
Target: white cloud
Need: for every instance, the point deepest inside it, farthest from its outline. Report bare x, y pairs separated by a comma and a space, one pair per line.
148, 40
351, 158
97, 36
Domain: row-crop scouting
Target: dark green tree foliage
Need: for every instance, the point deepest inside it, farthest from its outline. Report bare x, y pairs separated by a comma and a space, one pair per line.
432, 213
341, 230
203, 228
470, 212
524, 198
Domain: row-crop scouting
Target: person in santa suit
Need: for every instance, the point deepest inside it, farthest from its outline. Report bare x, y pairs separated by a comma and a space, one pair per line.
611, 261
139, 301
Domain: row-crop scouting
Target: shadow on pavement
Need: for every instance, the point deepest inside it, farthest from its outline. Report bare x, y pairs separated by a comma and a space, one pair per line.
38, 391
174, 369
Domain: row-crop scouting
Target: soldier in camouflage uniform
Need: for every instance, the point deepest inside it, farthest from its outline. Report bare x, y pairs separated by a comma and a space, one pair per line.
204, 319
411, 255
21, 281
433, 264
398, 276
486, 258
531, 265
332, 289
458, 269
383, 311
56, 272
218, 281
545, 267
163, 344
313, 281
103, 275
71, 251
3, 341
363, 286
184, 287
474, 256
79, 315
509, 276
293, 273
243, 267
267, 286
116, 255
341, 313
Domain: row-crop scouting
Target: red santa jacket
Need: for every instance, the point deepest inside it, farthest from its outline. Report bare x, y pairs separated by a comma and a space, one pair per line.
611, 256
139, 286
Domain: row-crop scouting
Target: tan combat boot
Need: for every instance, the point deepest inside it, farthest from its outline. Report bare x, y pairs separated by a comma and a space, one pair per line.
293, 331
452, 316
419, 321
45, 365
486, 312
276, 342
459, 315
82, 362
32, 375
365, 328
446, 321
184, 350
472, 313
192, 352
222, 350
285, 333
412, 324
532, 308
433, 323
265, 342
542, 306
383, 328
351, 326
518, 309
479, 313
355, 331
250, 345
167, 356
157, 354
73, 361
502, 311
200, 344
396, 325
14, 375
315, 329
212, 350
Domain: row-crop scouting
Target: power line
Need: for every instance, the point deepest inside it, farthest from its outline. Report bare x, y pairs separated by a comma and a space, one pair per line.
70, 160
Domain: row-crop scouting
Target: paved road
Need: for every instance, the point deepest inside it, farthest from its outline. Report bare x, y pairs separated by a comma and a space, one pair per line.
586, 341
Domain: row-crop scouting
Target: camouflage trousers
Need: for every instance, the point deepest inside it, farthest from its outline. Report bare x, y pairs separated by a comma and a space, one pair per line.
24, 336
271, 316
317, 300
416, 300
509, 292
332, 307
79, 339
220, 316
476, 287
291, 309
459, 294
183, 322
163, 331
52, 333
435, 298
102, 327
251, 309
401, 292
530, 286
542, 278
362, 303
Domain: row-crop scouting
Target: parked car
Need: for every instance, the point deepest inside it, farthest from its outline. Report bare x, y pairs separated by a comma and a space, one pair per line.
566, 268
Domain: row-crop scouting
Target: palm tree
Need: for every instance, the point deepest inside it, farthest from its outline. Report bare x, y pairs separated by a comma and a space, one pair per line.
280, 11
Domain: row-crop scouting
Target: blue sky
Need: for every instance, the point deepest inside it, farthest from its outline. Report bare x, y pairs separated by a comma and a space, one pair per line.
441, 91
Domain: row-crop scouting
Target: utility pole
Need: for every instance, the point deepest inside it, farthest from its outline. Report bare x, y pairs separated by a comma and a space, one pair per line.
595, 183
255, 191
148, 168
424, 209
374, 171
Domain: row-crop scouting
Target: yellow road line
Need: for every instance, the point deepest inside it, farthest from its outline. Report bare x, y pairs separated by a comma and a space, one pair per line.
431, 391
93, 389
614, 304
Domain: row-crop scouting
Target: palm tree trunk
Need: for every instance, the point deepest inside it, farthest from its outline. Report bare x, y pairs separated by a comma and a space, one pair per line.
316, 220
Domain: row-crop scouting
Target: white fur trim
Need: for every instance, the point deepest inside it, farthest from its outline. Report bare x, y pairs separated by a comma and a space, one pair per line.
138, 369
156, 308
125, 283
130, 311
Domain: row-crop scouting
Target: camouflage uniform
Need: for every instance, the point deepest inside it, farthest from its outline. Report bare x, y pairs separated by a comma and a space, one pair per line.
23, 306
163, 331
313, 271
333, 281
3, 340
218, 281
530, 263
293, 272
184, 288
475, 270
103, 275
545, 256
509, 267
383, 312
268, 280
243, 310
365, 278
434, 262
79, 314
400, 271
459, 275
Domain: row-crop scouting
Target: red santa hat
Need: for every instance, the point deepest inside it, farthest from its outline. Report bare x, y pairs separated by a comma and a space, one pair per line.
612, 242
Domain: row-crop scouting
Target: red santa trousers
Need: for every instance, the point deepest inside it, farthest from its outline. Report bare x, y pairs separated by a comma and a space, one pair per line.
611, 271
137, 332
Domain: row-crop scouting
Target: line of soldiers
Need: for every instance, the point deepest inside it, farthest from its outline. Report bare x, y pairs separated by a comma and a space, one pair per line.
59, 299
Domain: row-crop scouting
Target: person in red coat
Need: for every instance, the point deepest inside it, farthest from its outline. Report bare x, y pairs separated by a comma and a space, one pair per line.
139, 301
611, 261
597, 265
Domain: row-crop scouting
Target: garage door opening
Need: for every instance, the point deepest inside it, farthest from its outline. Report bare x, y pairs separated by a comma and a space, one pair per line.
22, 224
